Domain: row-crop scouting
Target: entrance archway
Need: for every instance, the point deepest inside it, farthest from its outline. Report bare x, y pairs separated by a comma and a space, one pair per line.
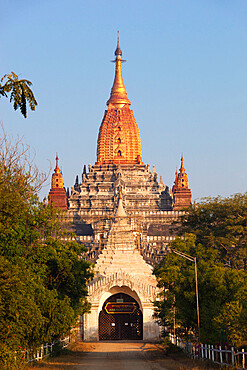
120, 318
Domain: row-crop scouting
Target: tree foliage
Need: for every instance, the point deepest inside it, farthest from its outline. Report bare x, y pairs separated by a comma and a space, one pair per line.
42, 279
218, 242
20, 92
220, 223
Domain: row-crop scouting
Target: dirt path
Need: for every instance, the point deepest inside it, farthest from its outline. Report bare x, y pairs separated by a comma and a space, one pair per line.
119, 356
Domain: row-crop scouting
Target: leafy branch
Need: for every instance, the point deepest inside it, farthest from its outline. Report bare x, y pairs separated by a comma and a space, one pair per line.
20, 92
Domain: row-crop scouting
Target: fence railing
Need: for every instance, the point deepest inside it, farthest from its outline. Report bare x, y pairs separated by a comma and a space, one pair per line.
218, 354
44, 351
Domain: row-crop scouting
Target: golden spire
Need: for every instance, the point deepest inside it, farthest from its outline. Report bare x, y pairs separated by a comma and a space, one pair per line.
182, 178
176, 177
180, 190
118, 96
182, 169
57, 177
57, 194
57, 169
176, 181
119, 137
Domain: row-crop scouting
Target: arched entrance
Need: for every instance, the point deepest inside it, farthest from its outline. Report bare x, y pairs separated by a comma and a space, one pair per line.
120, 318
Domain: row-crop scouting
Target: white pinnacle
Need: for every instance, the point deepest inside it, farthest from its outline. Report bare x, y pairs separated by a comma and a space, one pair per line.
120, 210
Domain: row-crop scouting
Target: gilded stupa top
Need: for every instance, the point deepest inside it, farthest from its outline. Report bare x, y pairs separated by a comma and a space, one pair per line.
118, 96
119, 137
57, 177
182, 178
57, 169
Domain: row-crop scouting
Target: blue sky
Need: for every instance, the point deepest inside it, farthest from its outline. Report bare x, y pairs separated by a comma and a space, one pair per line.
185, 75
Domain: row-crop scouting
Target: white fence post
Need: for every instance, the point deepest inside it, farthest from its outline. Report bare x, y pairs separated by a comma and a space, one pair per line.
202, 351
232, 355
243, 361
220, 355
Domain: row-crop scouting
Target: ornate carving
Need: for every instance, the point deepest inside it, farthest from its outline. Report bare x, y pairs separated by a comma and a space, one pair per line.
146, 291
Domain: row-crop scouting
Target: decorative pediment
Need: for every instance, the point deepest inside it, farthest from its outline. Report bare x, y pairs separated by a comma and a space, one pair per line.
146, 290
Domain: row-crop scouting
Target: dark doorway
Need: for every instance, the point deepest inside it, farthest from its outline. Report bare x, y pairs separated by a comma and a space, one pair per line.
120, 318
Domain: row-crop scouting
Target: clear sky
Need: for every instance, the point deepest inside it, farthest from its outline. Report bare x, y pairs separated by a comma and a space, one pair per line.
186, 76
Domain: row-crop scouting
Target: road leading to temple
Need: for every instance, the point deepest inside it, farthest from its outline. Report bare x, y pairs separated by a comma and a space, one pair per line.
119, 355
123, 356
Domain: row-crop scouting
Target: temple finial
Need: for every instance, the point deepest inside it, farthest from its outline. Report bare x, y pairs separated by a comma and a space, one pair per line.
57, 169
182, 169
118, 51
118, 96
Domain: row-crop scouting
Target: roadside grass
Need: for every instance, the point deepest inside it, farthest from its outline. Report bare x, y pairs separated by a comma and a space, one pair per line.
180, 361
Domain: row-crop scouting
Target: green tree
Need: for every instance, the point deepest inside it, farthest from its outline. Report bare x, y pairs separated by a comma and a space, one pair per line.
20, 92
233, 318
219, 289
43, 275
214, 231
220, 223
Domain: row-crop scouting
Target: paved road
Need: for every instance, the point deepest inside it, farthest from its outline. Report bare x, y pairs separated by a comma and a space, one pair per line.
122, 356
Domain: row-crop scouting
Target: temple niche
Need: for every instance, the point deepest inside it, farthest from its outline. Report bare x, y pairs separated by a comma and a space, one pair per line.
124, 216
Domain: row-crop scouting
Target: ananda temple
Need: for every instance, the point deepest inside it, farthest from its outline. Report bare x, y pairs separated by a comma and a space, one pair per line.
123, 213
